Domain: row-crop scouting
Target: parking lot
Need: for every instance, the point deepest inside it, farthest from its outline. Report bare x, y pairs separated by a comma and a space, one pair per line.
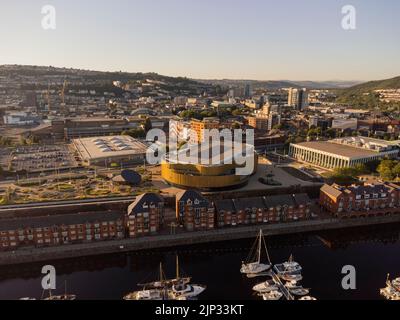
42, 158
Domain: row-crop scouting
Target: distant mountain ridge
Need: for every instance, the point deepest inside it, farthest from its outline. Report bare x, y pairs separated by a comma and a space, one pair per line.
30, 70
277, 84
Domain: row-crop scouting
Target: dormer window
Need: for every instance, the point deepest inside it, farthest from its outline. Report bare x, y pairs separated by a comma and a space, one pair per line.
197, 202
145, 205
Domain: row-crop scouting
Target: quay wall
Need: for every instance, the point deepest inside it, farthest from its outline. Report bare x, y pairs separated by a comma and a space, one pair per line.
23, 256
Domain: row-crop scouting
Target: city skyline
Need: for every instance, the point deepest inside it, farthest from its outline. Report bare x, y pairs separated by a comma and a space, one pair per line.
246, 40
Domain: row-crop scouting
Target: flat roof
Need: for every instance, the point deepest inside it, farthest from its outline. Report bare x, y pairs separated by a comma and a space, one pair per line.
109, 146
338, 149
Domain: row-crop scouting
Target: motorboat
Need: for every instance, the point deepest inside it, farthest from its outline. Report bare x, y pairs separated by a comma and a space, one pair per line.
391, 291
153, 295
266, 286
396, 284
289, 268
291, 277
308, 298
299, 291
273, 295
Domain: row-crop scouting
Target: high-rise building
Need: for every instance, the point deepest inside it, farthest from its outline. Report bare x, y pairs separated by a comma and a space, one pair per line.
197, 127
247, 91
274, 119
298, 98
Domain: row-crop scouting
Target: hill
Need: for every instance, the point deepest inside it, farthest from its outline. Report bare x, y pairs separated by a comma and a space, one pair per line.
278, 84
363, 95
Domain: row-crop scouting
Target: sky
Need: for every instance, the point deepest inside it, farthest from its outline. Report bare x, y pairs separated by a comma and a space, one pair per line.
208, 39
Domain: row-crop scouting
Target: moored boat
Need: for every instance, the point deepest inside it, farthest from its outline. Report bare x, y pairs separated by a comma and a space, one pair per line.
253, 266
266, 286
273, 295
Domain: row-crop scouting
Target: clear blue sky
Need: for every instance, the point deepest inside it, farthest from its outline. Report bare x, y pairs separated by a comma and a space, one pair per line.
242, 39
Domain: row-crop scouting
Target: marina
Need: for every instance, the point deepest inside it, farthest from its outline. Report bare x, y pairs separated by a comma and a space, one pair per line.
114, 276
275, 288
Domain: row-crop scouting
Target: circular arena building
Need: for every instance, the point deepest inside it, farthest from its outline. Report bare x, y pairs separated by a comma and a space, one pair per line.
218, 169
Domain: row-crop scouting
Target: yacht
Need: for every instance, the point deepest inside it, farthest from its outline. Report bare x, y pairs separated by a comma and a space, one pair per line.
182, 289
266, 286
299, 291
308, 298
152, 291
289, 267
291, 277
391, 291
62, 297
273, 295
292, 266
396, 284
153, 294
253, 266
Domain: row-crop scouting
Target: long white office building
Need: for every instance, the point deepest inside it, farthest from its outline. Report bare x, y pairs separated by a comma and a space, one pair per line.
343, 153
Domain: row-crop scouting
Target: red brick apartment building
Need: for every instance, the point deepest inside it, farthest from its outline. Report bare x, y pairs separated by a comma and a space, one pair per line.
145, 215
270, 209
60, 230
194, 212
361, 201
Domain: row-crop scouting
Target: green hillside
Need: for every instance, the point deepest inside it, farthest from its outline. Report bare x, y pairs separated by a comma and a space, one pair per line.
363, 95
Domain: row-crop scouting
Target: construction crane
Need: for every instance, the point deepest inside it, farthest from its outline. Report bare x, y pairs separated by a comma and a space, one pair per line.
48, 98
63, 90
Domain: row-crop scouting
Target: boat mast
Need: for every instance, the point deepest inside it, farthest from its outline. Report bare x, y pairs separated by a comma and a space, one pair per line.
177, 267
161, 272
266, 250
259, 247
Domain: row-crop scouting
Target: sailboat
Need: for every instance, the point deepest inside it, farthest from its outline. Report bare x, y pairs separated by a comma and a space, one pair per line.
254, 266
157, 290
182, 289
61, 297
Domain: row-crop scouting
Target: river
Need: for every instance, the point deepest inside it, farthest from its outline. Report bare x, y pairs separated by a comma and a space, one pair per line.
373, 251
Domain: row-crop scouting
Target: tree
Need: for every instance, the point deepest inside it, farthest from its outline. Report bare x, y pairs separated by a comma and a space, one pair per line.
386, 169
148, 125
396, 171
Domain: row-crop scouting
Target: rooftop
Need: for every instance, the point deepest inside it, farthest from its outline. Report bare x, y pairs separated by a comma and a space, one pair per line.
58, 220
338, 149
109, 146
